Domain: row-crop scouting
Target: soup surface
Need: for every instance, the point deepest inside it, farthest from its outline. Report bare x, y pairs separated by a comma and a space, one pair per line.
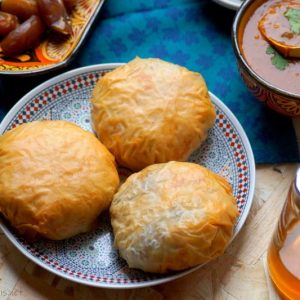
264, 59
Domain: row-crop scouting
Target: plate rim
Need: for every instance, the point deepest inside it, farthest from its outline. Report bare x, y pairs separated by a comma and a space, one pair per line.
101, 67
231, 4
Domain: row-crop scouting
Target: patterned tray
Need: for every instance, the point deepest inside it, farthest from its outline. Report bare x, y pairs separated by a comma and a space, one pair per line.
54, 51
90, 258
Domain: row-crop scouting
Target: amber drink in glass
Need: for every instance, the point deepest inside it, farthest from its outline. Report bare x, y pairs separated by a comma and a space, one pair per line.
284, 250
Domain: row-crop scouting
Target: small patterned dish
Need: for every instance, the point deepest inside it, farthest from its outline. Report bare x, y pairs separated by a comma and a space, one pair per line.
90, 258
232, 4
54, 51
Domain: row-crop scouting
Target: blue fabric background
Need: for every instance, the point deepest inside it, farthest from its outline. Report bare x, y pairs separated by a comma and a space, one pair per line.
195, 34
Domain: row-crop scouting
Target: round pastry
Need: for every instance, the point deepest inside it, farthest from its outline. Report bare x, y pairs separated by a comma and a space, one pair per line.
150, 111
172, 216
55, 179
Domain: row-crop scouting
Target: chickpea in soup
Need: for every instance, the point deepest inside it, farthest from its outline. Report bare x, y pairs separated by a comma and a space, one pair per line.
271, 42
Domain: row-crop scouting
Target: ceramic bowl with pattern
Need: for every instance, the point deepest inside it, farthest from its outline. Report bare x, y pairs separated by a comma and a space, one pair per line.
260, 82
54, 51
91, 258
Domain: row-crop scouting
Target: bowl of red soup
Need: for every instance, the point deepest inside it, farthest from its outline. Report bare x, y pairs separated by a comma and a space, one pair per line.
266, 39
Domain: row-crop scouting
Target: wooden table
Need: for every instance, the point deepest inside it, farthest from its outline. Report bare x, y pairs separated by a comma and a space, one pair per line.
239, 274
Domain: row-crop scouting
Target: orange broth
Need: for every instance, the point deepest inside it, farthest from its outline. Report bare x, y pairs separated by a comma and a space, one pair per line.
254, 49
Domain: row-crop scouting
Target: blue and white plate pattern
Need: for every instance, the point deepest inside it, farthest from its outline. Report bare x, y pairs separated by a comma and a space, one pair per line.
91, 258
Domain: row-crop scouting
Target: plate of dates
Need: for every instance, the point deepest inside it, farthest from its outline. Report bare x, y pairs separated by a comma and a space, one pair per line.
37, 36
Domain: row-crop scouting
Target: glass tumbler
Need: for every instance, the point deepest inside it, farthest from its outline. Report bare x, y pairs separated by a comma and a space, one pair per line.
284, 249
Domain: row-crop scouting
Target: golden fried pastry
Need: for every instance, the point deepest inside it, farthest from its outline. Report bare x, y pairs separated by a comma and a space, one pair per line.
172, 216
55, 179
150, 111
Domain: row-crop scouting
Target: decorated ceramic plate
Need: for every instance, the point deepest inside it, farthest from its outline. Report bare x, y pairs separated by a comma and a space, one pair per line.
54, 51
91, 258
232, 4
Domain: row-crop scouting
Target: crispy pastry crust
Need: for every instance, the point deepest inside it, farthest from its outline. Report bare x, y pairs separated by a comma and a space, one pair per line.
150, 111
55, 179
172, 216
